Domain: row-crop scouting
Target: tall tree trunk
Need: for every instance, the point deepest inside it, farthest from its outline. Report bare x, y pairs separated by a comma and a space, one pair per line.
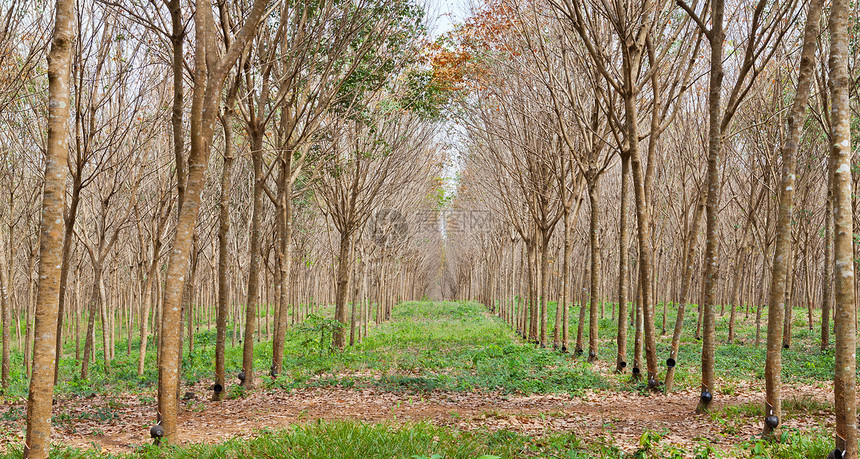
581, 319
341, 288
353, 317
543, 294
254, 265
623, 266
284, 260
643, 217
789, 296
593, 181
566, 296
29, 312
637, 333
92, 309
37, 444
827, 281
107, 324
5, 288
782, 252
533, 285
223, 259
9, 295
845, 314
147, 306
715, 145
210, 73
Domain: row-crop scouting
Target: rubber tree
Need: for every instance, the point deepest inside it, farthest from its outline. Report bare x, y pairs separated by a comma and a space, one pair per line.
222, 309
844, 382
210, 71
39, 400
781, 256
635, 29
765, 31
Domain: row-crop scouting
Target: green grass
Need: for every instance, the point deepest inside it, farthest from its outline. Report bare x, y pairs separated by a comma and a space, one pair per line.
741, 361
451, 346
426, 346
791, 445
356, 440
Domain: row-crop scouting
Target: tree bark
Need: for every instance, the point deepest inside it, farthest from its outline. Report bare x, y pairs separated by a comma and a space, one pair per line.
543, 294
64, 269
593, 181
643, 217
341, 288
715, 145
284, 260
623, 266
782, 252
845, 314
210, 73
827, 281
39, 400
5, 288
223, 259
254, 266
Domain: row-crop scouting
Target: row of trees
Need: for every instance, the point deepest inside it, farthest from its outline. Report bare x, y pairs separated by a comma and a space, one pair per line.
655, 123
208, 164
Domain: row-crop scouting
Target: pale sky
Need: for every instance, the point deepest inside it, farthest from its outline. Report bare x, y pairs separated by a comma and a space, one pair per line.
442, 14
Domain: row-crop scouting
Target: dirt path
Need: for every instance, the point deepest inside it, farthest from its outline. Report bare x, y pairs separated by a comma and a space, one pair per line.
119, 425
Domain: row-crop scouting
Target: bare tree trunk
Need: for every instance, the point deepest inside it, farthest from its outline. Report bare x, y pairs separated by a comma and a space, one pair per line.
715, 145
223, 260
643, 217
146, 307
64, 269
827, 281
254, 266
77, 312
342, 281
581, 324
788, 296
623, 266
845, 315
543, 294
89, 345
593, 181
106, 322
9, 295
637, 338
284, 258
533, 283
354, 306
777, 302
28, 313
210, 72
37, 444
566, 296
737, 281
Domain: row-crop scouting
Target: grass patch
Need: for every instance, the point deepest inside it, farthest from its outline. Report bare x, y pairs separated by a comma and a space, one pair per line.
440, 346
356, 440
791, 445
